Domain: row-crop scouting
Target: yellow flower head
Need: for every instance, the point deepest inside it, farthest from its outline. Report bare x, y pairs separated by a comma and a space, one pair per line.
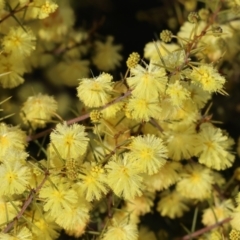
70, 141
93, 182
107, 55
46, 9
9, 210
12, 69
149, 152
15, 177
42, 8
196, 182
75, 219
121, 230
164, 178
11, 139
38, 110
177, 93
56, 199
217, 213
147, 83
142, 109
172, 204
213, 147
124, 178
208, 78
19, 41
23, 233
180, 141
95, 92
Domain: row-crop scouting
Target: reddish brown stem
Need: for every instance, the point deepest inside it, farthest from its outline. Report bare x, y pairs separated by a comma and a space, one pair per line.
205, 230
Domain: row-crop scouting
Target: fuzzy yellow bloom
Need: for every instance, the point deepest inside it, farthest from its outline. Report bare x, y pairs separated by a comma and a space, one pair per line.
19, 41
70, 141
177, 93
93, 182
140, 205
208, 78
198, 95
149, 152
213, 147
124, 178
42, 225
196, 182
42, 8
142, 109
13, 69
15, 177
11, 139
95, 92
38, 110
152, 49
46, 9
22, 234
59, 197
172, 204
121, 230
55, 27
76, 217
217, 213
69, 72
8, 210
164, 178
107, 57
147, 83
181, 141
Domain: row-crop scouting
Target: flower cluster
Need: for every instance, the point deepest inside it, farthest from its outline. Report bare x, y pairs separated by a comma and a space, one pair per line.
135, 142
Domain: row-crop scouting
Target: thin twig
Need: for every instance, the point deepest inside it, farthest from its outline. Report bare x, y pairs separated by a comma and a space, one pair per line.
205, 230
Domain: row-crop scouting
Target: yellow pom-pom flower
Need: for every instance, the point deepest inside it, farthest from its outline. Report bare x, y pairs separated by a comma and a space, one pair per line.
149, 152
23, 233
38, 110
56, 199
147, 83
164, 178
70, 141
217, 213
121, 230
11, 70
15, 177
93, 182
10, 208
46, 9
43, 226
180, 141
107, 56
177, 93
42, 8
19, 41
172, 204
142, 109
11, 139
212, 147
208, 78
124, 178
95, 92
75, 218
196, 182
